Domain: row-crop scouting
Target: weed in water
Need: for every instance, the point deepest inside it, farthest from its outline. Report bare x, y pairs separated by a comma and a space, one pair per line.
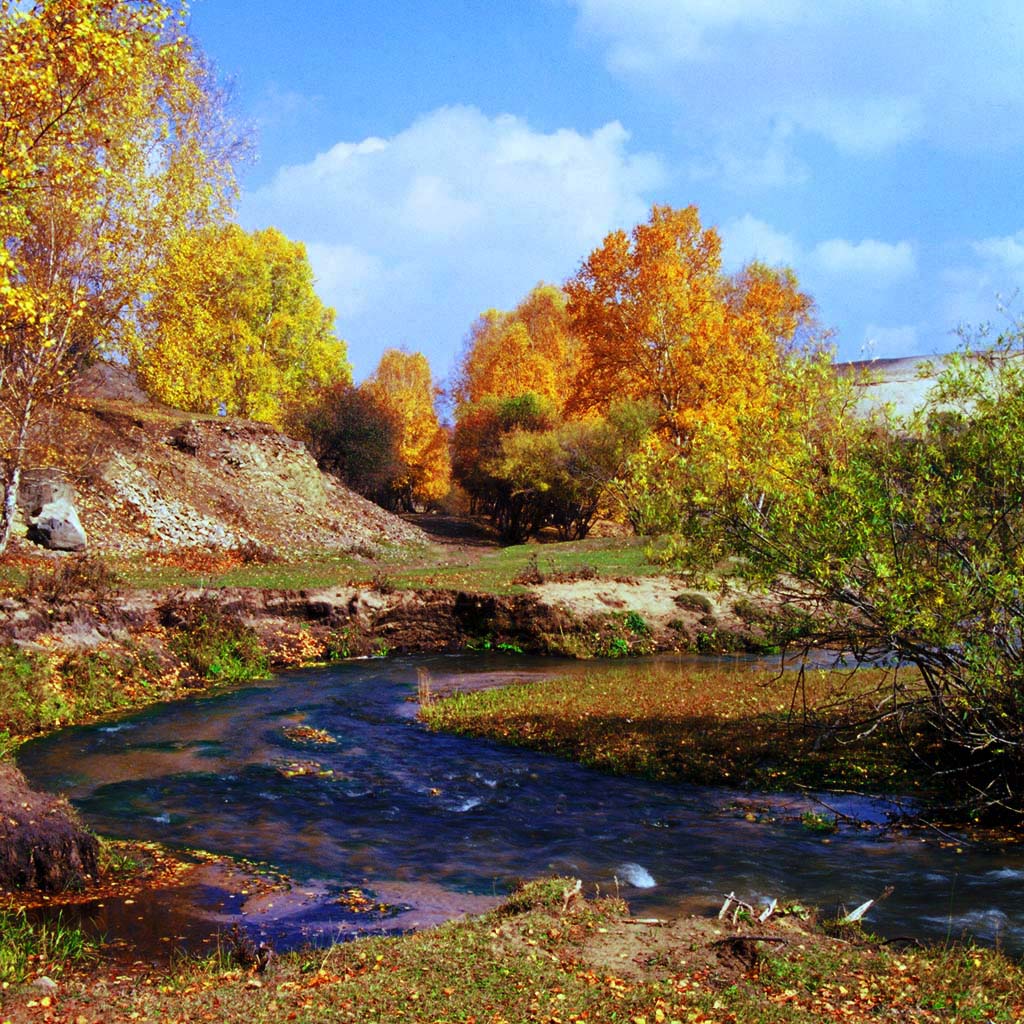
815, 822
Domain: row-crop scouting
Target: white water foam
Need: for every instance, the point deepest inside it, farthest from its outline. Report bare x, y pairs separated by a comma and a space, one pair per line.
636, 875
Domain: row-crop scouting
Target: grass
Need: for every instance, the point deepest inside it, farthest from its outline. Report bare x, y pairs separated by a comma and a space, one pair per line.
710, 726
41, 690
509, 570
28, 948
408, 567
547, 956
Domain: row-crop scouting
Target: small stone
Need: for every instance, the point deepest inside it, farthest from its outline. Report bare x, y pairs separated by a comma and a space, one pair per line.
44, 984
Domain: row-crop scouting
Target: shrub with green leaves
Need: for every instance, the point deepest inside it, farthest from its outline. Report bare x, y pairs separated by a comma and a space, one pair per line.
908, 536
216, 644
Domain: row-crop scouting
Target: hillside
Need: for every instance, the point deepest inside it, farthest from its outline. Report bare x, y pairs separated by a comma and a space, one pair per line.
151, 479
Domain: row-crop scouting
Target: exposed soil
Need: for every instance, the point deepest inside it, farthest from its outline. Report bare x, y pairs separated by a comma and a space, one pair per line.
149, 479
42, 844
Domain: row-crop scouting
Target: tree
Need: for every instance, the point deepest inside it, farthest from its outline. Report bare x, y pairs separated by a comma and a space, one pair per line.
528, 350
234, 321
477, 453
355, 437
909, 537
526, 469
111, 136
402, 385
656, 318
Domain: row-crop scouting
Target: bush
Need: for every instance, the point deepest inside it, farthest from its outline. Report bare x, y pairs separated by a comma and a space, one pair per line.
30, 694
908, 536
215, 644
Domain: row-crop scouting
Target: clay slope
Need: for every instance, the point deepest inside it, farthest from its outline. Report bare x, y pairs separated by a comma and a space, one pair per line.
151, 479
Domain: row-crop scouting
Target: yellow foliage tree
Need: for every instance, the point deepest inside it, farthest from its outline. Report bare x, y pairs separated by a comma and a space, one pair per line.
402, 384
234, 322
111, 136
526, 351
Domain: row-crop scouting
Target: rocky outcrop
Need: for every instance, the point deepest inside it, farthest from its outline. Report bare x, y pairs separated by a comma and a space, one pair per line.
46, 499
153, 480
57, 527
42, 845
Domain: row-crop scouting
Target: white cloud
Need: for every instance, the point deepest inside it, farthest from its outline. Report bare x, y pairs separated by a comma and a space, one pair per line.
745, 164
987, 284
865, 75
460, 212
746, 238
868, 258
1007, 252
862, 125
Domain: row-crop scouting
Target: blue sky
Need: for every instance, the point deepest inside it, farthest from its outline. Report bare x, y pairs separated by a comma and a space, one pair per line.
440, 158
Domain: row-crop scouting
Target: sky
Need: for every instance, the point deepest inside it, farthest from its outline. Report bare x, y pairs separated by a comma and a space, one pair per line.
441, 157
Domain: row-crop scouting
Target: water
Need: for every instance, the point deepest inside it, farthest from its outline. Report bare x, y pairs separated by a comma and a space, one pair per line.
434, 825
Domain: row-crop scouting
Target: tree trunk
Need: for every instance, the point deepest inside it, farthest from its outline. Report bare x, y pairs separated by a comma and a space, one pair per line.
13, 481
10, 505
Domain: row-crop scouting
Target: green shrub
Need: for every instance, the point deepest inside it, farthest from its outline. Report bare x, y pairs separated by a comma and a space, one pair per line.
30, 695
216, 644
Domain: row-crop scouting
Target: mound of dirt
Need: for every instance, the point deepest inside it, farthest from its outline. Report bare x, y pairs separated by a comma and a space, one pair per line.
151, 479
42, 846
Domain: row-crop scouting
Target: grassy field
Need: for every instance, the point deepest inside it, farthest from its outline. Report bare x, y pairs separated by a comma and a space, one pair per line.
550, 957
424, 567
709, 726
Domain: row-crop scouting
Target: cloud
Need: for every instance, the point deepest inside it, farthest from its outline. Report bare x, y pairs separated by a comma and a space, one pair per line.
460, 211
987, 284
866, 76
746, 238
1006, 252
868, 258
745, 164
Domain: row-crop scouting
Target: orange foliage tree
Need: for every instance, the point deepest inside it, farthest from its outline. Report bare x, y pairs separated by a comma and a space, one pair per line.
402, 385
526, 351
656, 318
111, 138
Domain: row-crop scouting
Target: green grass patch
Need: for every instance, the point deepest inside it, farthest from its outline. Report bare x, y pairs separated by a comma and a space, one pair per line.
217, 645
32, 948
42, 689
509, 570
397, 567
712, 726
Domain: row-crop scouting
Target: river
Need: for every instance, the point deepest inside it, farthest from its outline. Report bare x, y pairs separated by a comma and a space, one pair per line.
428, 826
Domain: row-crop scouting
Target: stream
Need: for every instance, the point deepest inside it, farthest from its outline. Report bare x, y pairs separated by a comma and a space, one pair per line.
428, 826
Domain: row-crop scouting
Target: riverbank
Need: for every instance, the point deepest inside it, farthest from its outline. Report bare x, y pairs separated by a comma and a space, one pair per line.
82, 637
767, 730
548, 955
